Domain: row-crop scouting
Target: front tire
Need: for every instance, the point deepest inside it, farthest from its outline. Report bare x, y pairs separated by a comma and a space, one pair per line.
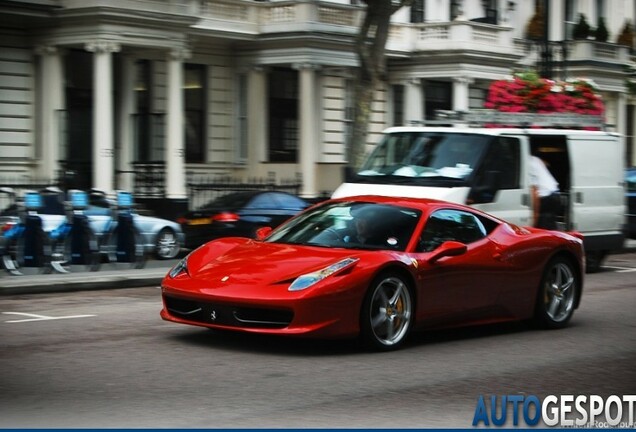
558, 293
387, 312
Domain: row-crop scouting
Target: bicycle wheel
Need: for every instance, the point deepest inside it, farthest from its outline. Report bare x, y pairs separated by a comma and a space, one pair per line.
61, 255
12, 259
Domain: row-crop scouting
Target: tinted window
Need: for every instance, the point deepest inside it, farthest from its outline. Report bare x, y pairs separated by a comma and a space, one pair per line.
503, 158
450, 225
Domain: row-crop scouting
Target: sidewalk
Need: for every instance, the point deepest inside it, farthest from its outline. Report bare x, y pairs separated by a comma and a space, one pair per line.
110, 276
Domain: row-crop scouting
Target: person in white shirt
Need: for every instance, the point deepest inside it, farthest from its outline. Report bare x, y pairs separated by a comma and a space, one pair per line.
546, 201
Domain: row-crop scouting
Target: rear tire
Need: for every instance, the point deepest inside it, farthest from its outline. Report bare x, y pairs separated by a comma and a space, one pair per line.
387, 312
558, 293
166, 244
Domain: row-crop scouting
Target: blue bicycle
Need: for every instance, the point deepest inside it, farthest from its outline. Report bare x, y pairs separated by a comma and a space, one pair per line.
74, 242
24, 240
42, 233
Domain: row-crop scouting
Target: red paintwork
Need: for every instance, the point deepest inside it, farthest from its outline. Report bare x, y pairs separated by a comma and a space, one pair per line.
495, 280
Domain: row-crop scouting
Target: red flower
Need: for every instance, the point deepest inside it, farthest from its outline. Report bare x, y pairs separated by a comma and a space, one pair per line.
527, 92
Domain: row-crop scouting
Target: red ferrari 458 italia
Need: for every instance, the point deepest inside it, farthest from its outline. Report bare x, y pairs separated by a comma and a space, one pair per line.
377, 268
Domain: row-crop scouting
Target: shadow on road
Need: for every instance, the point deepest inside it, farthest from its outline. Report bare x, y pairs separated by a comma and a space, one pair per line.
247, 342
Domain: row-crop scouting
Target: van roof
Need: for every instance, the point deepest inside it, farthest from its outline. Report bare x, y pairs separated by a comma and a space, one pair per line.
497, 131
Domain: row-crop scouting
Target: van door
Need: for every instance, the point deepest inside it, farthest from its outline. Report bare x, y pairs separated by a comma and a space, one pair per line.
552, 149
500, 187
598, 196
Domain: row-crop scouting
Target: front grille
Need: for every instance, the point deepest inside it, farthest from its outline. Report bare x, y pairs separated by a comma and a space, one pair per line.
227, 315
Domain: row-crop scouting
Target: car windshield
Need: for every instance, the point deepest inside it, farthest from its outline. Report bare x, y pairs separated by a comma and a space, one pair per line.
356, 225
409, 156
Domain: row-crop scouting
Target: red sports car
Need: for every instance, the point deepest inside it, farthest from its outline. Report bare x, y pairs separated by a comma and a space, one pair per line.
378, 267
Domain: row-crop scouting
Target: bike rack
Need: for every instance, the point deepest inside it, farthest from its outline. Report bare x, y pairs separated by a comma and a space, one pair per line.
127, 241
83, 242
27, 235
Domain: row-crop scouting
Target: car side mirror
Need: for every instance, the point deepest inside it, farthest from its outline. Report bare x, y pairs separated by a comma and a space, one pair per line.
446, 249
263, 232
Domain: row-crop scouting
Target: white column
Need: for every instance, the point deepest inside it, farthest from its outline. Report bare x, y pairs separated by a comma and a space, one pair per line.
413, 102
621, 118
460, 93
125, 150
308, 145
632, 141
257, 115
175, 151
103, 123
51, 83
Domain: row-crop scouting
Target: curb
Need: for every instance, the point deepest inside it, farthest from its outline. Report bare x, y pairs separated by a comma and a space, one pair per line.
81, 281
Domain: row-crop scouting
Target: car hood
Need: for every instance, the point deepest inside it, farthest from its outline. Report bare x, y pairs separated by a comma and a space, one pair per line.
249, 262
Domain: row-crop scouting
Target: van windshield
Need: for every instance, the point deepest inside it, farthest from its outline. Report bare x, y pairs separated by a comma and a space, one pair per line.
424, 158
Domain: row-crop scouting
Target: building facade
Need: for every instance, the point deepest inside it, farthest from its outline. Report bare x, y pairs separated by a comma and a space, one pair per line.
108, 91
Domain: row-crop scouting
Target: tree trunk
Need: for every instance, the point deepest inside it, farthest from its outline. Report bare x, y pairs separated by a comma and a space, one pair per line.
370, 47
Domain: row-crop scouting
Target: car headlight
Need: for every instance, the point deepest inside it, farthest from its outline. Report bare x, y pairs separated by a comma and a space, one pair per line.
305, 281
181, 267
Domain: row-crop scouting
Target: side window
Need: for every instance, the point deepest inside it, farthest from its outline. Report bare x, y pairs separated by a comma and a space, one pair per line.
450, 225
500, 170
503, 158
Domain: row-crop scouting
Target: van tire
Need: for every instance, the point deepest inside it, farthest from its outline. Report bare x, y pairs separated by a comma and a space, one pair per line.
594, 260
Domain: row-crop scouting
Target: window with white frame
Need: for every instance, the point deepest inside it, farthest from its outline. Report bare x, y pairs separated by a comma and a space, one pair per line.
476, 97
418, 11
194, 101
241, 149
600, 9
397, 91
570, 16
349, 91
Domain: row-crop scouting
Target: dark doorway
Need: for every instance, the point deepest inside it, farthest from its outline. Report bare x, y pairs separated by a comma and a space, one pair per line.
283, 115
438, 95
77, 159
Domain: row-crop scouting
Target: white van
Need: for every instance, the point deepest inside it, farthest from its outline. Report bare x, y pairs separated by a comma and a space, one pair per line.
488, 169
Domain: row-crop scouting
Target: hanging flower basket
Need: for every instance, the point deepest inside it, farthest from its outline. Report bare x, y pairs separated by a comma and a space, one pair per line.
526, 92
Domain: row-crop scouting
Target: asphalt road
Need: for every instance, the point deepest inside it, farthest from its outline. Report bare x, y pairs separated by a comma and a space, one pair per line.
104, 359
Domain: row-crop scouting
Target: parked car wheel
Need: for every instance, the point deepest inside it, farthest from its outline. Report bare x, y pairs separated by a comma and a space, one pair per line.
387, 312
166, 245
557, 295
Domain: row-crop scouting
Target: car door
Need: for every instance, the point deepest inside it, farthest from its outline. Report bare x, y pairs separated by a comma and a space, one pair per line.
457, 288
